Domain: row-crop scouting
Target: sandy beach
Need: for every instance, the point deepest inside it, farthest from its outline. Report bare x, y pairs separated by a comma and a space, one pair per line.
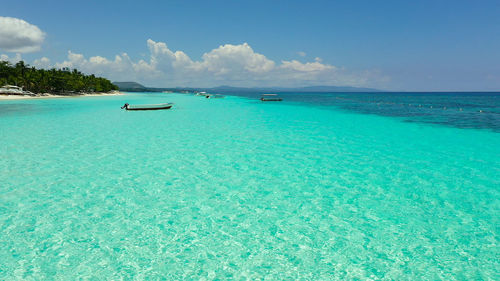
50, 96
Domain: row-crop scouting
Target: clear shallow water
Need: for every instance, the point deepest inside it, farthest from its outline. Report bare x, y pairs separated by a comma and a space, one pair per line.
233, 188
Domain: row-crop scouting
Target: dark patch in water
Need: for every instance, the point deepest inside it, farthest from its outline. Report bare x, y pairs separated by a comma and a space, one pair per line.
16, 108
33, 107
460, 110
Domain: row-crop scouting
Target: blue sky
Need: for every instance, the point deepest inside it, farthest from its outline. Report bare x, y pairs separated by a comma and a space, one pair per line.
393, 45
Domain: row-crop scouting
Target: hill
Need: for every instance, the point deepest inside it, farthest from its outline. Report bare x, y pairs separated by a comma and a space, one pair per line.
131, 87
136, 87
321, 89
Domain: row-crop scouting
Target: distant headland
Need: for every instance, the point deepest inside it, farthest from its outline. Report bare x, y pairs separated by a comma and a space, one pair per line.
136, 87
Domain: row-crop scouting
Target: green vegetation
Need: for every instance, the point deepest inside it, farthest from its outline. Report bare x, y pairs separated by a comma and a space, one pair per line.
131, 87
51, 81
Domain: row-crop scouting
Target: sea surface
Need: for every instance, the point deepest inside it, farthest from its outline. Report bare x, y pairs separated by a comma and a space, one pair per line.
330, 186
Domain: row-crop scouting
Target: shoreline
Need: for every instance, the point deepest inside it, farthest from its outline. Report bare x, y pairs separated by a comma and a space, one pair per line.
50, 96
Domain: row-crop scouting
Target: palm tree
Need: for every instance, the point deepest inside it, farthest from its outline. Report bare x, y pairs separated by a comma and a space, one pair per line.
53, 80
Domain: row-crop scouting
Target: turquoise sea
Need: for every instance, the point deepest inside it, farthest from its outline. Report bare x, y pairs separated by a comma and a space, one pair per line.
318, 187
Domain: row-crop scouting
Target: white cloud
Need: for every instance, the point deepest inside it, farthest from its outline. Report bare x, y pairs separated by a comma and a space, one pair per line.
315, 66
235, 58
121, 67
43, 62
17, 35
302, 54
165, 59
16, 58
237, 65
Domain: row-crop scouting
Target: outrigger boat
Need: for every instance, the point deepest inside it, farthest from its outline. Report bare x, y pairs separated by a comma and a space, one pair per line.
270, 97
147, 106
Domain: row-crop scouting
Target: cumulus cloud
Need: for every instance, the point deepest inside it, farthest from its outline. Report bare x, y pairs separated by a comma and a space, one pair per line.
235, 58
238, 65
43, 62
14, 59
17, 35
119, 67
315, 66
162, 58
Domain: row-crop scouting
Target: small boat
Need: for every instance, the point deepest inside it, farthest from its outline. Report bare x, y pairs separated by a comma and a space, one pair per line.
147, 106
204, 94
270, 97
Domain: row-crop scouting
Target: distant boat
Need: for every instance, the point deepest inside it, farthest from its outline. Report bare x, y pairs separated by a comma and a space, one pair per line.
270, 97
147, 106
204, 94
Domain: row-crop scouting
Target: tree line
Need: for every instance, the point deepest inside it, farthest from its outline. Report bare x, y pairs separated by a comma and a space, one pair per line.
51, 80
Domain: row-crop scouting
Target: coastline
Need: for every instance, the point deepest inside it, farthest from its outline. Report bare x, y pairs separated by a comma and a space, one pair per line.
50, 96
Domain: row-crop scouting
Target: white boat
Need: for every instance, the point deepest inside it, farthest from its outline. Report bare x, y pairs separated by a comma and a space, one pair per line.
270, 97
148, 106
204, 94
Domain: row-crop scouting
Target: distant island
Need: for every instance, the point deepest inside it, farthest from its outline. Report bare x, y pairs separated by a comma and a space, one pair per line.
64, 81
132, 87
136, 87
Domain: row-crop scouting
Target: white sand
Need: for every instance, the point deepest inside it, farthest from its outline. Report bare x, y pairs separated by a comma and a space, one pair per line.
51, 96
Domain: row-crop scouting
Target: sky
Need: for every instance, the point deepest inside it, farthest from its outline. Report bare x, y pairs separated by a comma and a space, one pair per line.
422, 45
